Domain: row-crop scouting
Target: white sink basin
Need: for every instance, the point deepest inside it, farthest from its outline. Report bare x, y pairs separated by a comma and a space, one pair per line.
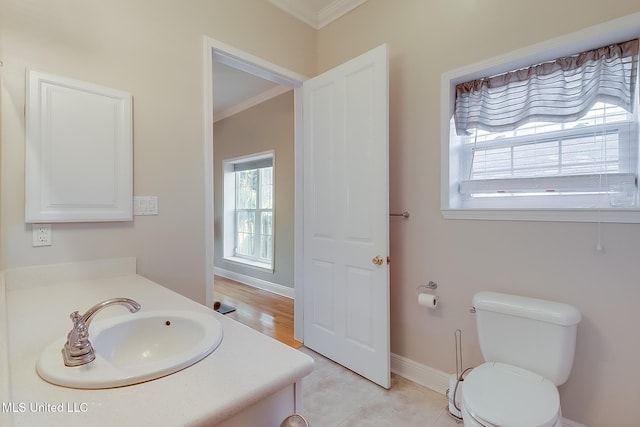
135, 348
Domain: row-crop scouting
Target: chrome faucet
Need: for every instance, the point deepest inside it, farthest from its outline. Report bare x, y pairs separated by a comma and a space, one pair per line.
78, 349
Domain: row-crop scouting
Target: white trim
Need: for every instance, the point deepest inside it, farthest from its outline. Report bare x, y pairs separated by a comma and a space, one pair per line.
251, 102
299, 11
243, 61
569, 423
265, 285
298, 237
214, 49
208, 47
624, 216
244, 262
570, 183
434, 379
624, 28
335, 10
426, 376
317, 18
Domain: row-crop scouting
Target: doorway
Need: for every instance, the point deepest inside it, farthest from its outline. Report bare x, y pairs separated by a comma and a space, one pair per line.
231, 58
341, 193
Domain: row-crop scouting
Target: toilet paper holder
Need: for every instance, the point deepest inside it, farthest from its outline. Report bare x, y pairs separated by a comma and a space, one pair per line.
426, 288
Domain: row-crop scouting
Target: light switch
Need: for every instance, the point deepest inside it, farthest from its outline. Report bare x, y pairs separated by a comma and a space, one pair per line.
152, 205
145, 205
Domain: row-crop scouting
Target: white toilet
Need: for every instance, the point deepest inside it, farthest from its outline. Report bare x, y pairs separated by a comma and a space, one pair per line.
528, 345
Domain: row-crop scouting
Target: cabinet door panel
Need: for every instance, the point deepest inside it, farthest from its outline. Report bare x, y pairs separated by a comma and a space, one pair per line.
79, 151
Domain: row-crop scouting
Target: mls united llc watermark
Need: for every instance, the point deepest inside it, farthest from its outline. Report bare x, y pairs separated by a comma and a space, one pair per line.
45, 407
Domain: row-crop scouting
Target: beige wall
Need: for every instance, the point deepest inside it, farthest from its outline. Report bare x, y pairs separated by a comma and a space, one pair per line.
264, 127
152, 49
551, 260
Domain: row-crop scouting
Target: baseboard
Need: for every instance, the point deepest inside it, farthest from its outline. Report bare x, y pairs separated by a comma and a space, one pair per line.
284, 291
434, 379
569, 423
420, 374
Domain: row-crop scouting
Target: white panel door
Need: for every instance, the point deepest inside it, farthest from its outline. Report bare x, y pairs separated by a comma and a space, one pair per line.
346, 215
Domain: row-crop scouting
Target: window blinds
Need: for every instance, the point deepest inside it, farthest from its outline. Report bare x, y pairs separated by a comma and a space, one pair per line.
558, 91
266, 162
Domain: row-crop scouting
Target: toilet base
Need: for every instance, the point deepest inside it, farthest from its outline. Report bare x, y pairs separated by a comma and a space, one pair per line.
469, 421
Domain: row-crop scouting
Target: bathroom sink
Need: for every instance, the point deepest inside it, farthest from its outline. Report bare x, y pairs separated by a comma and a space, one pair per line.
135, 348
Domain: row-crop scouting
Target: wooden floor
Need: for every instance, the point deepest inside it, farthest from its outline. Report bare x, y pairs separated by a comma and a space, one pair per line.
263, 311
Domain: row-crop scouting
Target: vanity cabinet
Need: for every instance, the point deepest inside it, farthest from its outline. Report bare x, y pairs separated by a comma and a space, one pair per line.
270, 411
250, 379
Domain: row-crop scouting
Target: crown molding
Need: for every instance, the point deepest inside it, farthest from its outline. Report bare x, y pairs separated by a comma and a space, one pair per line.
335, 10
317, 18
255, 100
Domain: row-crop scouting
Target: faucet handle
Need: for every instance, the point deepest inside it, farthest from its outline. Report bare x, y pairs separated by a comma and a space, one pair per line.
78, 345
80, 329
78, 349
75, 316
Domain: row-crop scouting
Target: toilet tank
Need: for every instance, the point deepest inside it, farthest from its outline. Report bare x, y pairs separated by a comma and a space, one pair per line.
534, 334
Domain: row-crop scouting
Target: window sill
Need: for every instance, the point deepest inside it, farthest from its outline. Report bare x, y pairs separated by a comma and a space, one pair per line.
249, 263
627, 216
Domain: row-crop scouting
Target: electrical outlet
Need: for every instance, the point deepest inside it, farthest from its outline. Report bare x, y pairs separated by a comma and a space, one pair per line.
41, 234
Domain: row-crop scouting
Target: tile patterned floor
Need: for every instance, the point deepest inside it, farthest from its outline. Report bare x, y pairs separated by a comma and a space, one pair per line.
336, 397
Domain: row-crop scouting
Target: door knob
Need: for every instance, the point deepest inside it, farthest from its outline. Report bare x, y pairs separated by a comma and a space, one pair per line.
378, 260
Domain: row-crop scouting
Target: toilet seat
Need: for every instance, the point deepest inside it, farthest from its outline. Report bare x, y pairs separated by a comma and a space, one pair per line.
497, 394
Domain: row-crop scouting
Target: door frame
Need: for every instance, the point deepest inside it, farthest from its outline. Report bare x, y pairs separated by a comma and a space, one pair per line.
214, 50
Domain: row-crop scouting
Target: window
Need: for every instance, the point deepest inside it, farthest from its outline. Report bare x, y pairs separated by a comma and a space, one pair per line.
249, 212
559, 135
583, 163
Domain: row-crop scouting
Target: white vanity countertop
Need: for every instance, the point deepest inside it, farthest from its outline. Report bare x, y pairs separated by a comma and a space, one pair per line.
245, 368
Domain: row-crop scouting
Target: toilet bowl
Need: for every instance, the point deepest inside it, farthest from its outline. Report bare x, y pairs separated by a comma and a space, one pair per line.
501, 395
528, 346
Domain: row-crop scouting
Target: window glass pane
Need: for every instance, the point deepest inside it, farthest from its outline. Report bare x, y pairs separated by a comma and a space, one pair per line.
246, 221
495, 163
266, 223
536, 160
585, 146
536, 128
247, 189
603, 113
245, 244
245, 232
590, 154
266, 235
266, 188
266, 247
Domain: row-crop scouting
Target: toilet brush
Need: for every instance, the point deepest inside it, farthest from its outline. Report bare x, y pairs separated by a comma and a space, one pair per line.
454, 393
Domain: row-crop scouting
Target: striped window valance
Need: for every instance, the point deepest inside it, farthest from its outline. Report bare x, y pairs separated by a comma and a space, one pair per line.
557, 91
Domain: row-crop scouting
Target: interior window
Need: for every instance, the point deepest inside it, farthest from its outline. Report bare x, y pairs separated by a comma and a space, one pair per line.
249, 210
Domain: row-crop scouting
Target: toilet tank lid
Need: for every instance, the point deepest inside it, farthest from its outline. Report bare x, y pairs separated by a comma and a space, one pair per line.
531, 308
